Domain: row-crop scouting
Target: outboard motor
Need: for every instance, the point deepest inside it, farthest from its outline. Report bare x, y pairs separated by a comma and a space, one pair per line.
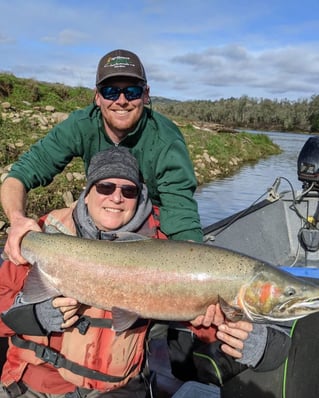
308, 163
308, 172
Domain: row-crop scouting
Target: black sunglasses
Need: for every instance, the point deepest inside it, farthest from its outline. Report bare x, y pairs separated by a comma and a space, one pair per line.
107, 188
113, 93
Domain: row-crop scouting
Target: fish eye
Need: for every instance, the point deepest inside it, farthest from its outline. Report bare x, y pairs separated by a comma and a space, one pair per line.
290, 291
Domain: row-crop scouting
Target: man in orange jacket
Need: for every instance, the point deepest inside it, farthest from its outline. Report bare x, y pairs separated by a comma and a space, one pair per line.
60, 346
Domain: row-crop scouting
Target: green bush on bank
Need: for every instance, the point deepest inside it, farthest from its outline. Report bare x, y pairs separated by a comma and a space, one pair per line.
23, 92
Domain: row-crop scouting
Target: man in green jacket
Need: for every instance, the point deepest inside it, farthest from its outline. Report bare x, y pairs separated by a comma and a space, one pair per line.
118, 116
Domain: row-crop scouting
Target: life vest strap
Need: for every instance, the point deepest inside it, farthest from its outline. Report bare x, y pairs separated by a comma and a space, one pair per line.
58, 361
86, 321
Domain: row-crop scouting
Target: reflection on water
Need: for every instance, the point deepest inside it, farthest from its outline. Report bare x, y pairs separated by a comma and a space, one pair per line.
223, 197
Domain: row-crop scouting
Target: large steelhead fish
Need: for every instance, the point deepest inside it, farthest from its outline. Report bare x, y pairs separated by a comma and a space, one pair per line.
160, 279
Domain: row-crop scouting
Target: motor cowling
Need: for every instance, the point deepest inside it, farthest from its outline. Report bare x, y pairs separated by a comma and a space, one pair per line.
308, 162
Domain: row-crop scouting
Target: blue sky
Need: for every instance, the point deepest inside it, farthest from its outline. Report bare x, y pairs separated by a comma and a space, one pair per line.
191, 49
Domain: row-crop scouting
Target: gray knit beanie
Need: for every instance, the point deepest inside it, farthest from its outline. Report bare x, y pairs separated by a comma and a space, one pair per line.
115, 162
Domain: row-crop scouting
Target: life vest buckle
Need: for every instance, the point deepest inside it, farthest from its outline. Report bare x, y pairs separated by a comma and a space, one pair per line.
48, 355
82, 325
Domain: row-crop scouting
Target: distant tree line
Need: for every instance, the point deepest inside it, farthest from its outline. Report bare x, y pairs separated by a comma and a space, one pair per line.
245, 112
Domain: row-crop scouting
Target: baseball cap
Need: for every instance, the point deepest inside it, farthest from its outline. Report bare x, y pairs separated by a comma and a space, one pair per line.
120, 63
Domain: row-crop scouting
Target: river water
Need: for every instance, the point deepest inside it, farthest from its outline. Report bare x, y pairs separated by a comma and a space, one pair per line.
223, 197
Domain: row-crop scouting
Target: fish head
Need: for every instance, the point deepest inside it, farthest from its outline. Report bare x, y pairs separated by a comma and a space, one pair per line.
275, 295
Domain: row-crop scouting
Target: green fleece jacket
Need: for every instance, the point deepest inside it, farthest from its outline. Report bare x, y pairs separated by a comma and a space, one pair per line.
158, 146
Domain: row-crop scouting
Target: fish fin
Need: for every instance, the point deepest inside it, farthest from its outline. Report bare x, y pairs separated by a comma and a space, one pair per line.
232, 313
36, 288
123, 319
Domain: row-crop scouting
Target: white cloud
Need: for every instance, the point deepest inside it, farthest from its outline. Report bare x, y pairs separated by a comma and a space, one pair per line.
68, 37
203, 50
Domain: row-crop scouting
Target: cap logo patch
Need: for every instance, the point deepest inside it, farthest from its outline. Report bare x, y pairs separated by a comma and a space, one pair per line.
118, 62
